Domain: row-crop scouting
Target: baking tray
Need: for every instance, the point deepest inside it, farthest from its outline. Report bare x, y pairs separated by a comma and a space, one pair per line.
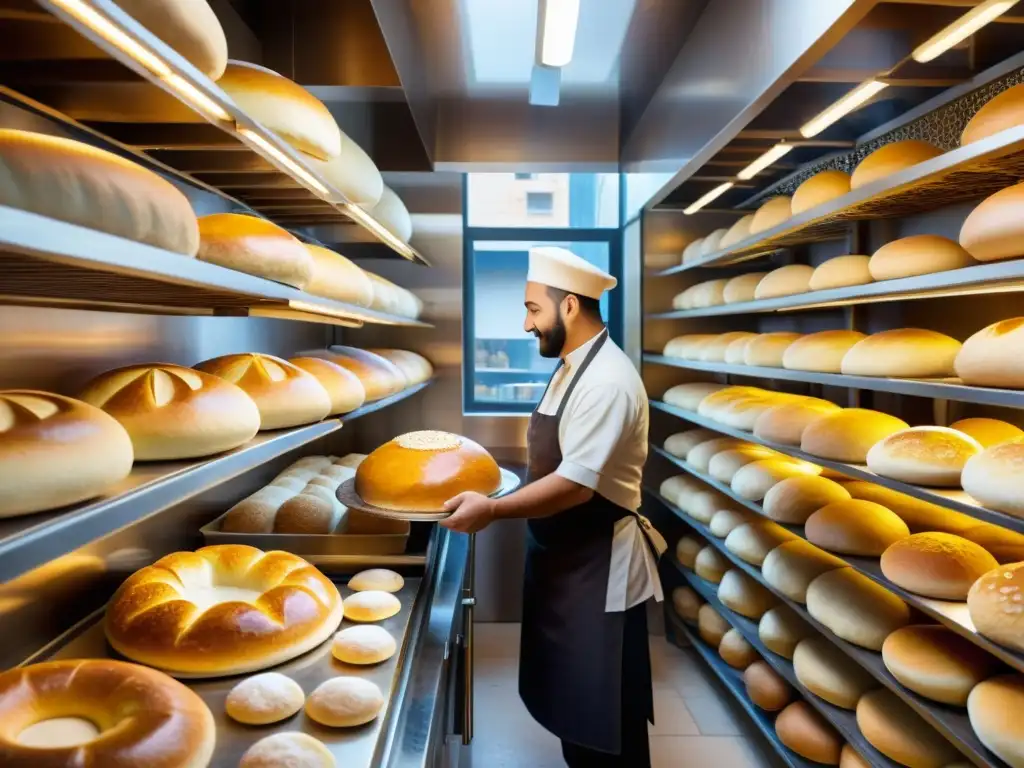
350, 746
347, 495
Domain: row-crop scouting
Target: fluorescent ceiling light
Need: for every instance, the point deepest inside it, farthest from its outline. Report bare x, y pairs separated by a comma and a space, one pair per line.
843, 107
293, 167
558, 31
197, 98
715, 193
764, 161
961, 29
115, 36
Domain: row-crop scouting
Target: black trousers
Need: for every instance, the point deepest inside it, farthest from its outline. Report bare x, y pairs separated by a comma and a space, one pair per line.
636, 697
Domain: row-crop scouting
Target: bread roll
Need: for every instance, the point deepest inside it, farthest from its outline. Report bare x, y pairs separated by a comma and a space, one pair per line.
1004, 545
996, 605
999, 113
712, 243
710, 565
752, 542
681, 443
686, 551
899, 733
343, 387
688, 396
714, 350
686, 603
190, 27
855, 608
264, 699
785, 281
737, 350
755, 480
738, 592
371, 605
714, 406
726, 521
808, 734
80, 184
992, 230
795, 499
936, 662
709, 293
378, 580
823, 352
284, 107
785, 423
692, 251
917, 255
849, 434
918, 515
771, 214
286, 395
830, 674
391, 213
742, 287
910, 353
702, 505
736, 651
994, 708
674, 488
352, 173
345, 702
743, 412
255, 246
766, 687
841, 272
819, 189
288, 748
768, 349
988, 359
994, 479
890, 159
335, 277
699, 457
781, 630
988, 432
737, 232
380, 377
363, 645
849, 758
855, 527
711, 625
724, 465
414, 367
683, 346
792, 566
933, 456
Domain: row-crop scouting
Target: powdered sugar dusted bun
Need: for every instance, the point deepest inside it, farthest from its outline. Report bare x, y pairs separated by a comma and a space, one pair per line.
345, 702
366, 644
376, 579
373, 605
288, 749
996, 604
264, 699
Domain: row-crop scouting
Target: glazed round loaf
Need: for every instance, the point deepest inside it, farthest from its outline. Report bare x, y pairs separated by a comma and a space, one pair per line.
420, 471
917, 255
1005, 110
255, 246
841, 272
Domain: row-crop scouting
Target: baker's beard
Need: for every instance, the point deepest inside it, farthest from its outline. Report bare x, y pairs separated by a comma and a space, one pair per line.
551, 342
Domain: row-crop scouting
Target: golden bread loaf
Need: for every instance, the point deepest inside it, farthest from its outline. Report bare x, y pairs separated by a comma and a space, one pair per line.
681, 443
377, 580
753, 481
994, 478
848, 434
371, 605
767, 350
823, 351
335, 277
829, 673
855, 527
714, 350
781, 630
420, 471
345, 702
918, 515
737, 351
899, 733
380, 377
917, 255
742, 287
910, 353
807, 733
752, 542
1004, 545
841, 272
785, 423
704, 504
284, 107
415, 367
344, 387
726, 521
988, 432
736, 651
849, 758
737, 232
996, 605
819, 189
73, 182
687, 549
989, 359
785, 281
771, 214
712, 243
890, 159
933, 456
686, 603
363, 644
855, 608
1004, 110
711, 625
724, 466
391, 213
190, 27
992, 231
222, 610
56, 451
994, 708
711, 565
172, 412
795, 499
122, 711
353, 173
936, 662
255, 246
740, 593
766, 687
699, 457
792, 566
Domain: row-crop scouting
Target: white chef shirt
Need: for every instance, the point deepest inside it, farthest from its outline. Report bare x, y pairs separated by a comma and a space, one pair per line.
603, 440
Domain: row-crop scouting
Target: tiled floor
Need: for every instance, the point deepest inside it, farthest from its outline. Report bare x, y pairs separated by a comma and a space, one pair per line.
697, 724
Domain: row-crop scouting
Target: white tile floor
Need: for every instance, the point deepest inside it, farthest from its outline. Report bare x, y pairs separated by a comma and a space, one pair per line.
697, 723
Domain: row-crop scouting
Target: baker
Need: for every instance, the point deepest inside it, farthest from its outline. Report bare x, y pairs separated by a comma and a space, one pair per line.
591, 559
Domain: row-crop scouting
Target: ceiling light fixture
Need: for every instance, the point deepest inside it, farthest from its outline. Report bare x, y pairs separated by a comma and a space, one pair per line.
855, 98
961, 29
714, 194
764, 161
558, 21
115, 36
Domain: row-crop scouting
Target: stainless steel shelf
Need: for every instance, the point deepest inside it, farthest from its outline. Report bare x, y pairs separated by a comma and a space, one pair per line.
964, 173
951, 722
958, 501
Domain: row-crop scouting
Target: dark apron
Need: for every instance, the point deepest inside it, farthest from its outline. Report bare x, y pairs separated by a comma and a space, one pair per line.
571, 656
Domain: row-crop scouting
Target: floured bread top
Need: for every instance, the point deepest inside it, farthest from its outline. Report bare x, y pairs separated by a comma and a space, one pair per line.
429, 440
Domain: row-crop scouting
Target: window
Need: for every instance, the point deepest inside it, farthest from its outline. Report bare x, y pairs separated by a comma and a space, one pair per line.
566, 200
538, 203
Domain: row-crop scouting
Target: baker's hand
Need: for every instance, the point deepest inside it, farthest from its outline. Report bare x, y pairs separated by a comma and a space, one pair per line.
472, 512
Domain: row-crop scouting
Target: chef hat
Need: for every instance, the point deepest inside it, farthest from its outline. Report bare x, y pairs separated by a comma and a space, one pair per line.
565, 270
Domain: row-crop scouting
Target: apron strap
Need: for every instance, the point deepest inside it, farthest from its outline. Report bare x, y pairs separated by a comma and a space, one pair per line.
544, 394
602, 338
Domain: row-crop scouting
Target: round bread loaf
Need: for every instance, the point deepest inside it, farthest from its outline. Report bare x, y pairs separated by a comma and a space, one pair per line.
677, 488
56, 451
855, 608
714, 350
711, 625
819, 189
737, 351
681, 443
736, 651
917, 255
841, 272
742, 287
738, 592
255, 246
703, 504
939, 565
823, 351
709, 294
264, 699
222, 610
994, 477
791, 567
391, 213
988, 359
936, 662
767, 350
726, 521
918, 515
353, 173
994, 708
992, 230
785, 423
737, 232
899, 733
855, 527
742, 413
766, 687
415, 367
380, 377
371, 605
1004, 545
343, 387
910, 353
687, 549
345, 702
712, 243
996, 605
711, 405
724, 465
808, 734
80, 184
933, 456
771, 214
100, 712
686, 603
988, 432
752, 542
795, 499
290, 748
335, 277
781, 630
362, 645
376, 580
754, 480
890, 159
285, 395
699, 457
284, 107
849, 434
849, 758
1004, 110
829, 673
684, 299
689, 396
785, 281
190, 27
710, 565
